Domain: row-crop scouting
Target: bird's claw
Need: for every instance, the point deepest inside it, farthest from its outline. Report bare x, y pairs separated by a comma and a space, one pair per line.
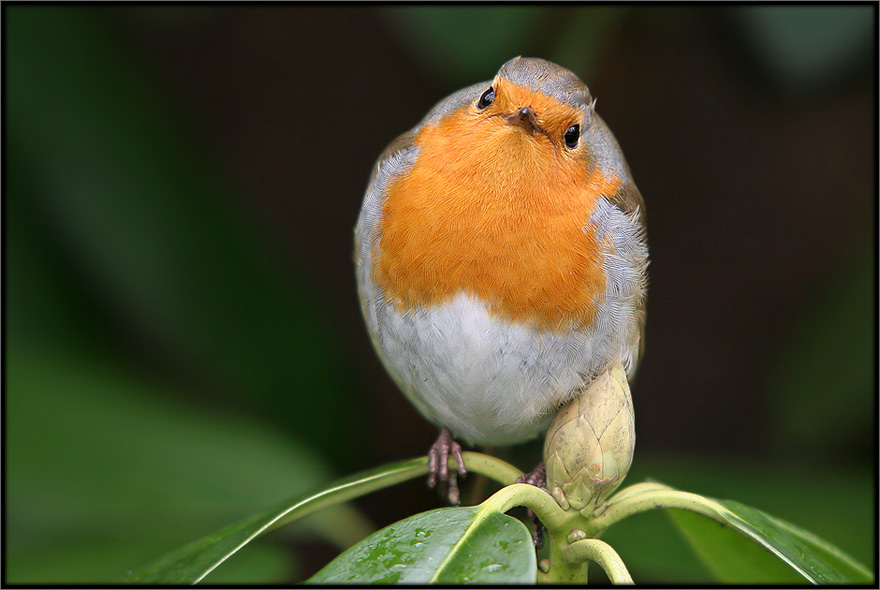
438, 466
538, 478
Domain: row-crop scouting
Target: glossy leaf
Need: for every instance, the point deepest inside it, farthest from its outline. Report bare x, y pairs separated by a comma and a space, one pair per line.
843, 514
816, 559
804, 554
728, 556
445, 546
193, 562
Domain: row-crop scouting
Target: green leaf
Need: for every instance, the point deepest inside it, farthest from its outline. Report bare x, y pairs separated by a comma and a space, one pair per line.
843, 513
193, 562
445, 546
816, 559
729, 556
813, 559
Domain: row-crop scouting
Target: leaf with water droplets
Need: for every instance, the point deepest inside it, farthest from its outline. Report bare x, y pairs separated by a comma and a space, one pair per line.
445, 546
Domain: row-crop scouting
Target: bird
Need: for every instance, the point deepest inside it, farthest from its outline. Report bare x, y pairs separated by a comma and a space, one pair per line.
501, 259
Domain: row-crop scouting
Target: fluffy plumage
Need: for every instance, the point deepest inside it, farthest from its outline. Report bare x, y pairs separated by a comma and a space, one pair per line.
499, 268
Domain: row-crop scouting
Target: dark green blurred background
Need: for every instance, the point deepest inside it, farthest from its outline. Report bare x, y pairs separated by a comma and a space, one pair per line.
184, 345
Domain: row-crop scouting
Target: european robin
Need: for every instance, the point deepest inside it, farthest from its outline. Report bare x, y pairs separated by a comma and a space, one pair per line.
501, 258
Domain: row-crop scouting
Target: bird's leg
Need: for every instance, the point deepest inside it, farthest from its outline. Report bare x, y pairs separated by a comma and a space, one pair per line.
438, 466
538, 478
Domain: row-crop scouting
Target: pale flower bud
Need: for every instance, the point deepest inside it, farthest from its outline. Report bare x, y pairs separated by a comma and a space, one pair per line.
589, 445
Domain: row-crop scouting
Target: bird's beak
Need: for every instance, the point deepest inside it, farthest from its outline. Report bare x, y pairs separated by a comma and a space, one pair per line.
526, 118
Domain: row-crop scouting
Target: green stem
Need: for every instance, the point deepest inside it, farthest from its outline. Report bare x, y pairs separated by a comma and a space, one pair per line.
557, 521
655, 496
568, 557
541, 503
563, 570
635, 489
502, 472
600, 552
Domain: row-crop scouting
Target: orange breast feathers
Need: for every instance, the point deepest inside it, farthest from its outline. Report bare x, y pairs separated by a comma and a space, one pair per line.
494, 211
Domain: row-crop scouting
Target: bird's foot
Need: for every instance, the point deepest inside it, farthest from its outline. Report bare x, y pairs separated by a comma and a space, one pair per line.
538, 478
438, 466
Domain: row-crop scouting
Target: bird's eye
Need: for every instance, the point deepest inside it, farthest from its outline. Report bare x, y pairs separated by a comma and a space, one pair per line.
486, 99
572, 134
